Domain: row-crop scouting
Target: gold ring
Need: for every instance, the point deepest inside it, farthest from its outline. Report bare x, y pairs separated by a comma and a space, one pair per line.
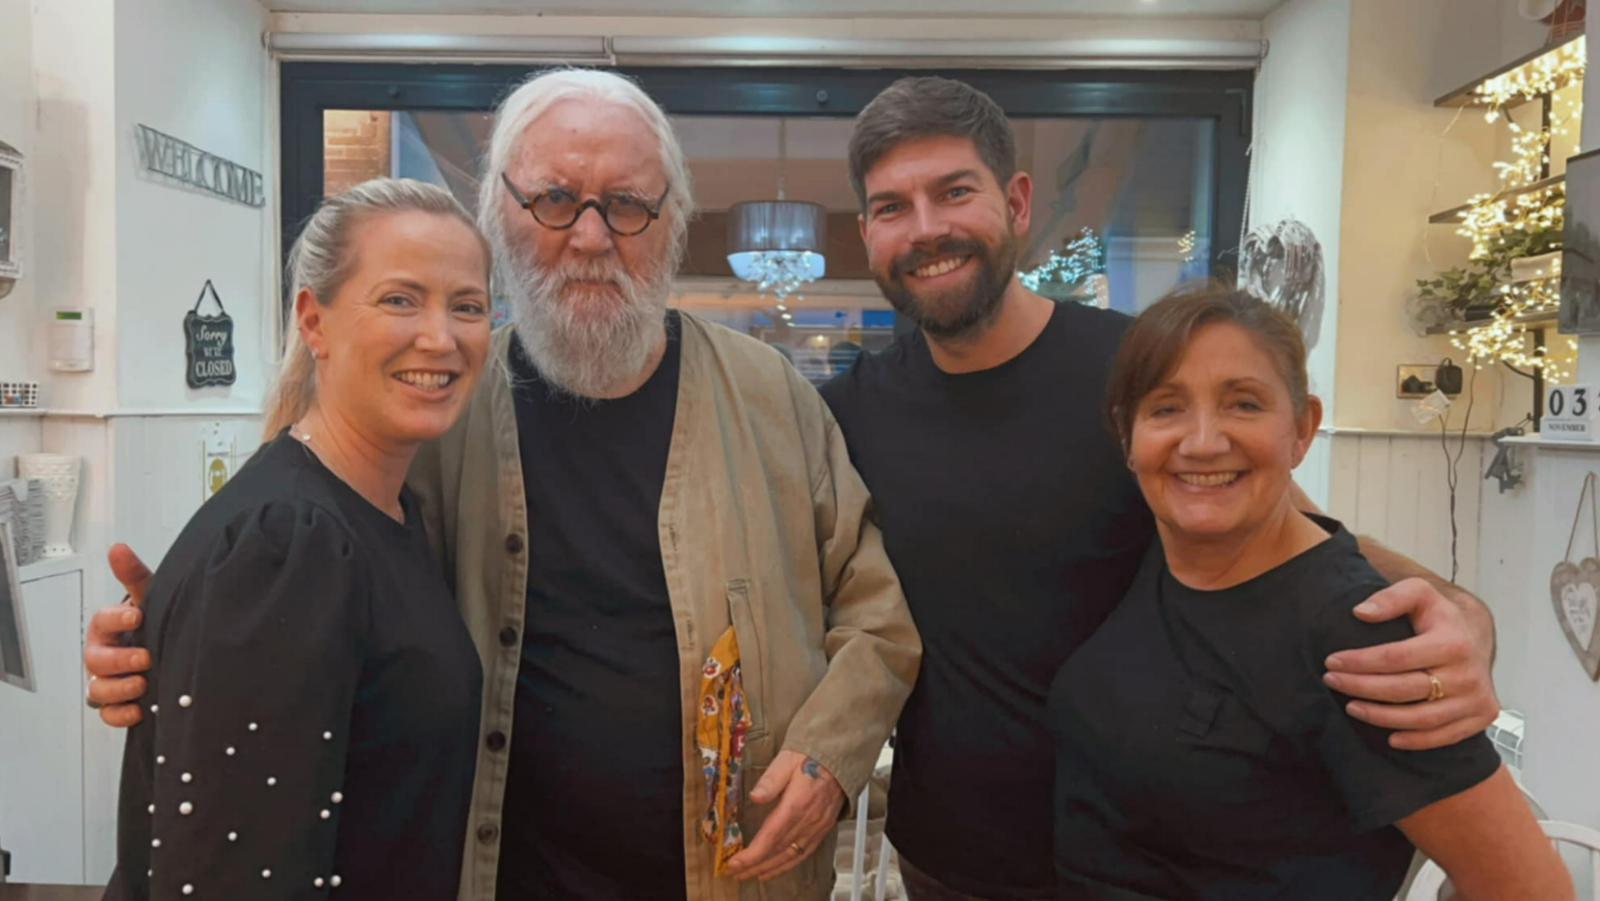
798, 848
1435, 687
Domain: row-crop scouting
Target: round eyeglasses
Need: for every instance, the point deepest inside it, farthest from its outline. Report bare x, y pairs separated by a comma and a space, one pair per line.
557, 209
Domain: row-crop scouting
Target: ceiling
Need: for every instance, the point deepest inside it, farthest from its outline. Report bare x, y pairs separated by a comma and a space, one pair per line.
1232, 9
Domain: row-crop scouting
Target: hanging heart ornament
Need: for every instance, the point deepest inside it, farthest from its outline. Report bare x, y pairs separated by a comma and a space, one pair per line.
1575, 592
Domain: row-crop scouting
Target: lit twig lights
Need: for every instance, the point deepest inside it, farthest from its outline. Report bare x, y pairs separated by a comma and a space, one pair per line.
1504, 338
1186, 243
1503, 228
1546, 74
1084, 258
1491, 222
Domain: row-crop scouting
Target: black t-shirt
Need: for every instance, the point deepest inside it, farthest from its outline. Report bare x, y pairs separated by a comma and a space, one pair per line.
594, 794
318, 702
1202, 758
1014, 527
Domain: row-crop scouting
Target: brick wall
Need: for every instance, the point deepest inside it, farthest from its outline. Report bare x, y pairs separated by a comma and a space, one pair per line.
355, 147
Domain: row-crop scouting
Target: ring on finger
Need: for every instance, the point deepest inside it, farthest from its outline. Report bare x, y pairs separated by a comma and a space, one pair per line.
93, 704
798, 848
1435, 687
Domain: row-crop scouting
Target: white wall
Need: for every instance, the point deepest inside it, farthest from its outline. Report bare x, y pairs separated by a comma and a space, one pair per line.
1298, 151
1524, 536
19, 113
75, 222
1393, 487
1297, 161
193, 69
136, 250
1405, 160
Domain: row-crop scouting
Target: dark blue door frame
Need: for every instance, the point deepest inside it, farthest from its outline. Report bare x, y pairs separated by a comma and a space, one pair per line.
309, 89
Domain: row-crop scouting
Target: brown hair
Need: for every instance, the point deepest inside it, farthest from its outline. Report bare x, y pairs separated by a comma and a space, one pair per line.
1155, 343
927, 107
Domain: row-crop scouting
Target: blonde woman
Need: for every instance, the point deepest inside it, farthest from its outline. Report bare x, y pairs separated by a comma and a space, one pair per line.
312, 711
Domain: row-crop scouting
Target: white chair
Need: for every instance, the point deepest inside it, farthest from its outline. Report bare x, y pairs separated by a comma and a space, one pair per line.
1431, 880
859, 858
1419, 860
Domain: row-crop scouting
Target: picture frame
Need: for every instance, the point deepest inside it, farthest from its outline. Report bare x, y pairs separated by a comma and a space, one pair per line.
16, 664
13, 188
1580, 248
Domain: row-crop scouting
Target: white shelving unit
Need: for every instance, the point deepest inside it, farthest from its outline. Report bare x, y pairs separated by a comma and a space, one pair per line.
42, 814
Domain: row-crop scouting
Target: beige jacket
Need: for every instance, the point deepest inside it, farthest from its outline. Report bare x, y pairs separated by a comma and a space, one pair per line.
763, 525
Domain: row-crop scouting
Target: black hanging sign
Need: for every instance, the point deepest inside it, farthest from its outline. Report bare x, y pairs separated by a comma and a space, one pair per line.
208, 343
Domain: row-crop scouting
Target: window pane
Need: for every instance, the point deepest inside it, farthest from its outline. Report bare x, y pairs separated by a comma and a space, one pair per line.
1123, 204
1121, 210
355, 147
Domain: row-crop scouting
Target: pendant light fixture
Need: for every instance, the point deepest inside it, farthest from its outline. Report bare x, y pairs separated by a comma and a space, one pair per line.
777, 245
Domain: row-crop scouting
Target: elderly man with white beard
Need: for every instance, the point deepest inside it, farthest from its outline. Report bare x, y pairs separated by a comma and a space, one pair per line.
657, 541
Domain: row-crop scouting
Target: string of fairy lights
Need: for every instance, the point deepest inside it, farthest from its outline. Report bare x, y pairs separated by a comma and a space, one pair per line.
1186, 244
1546, 74
1492, 221
1080, 261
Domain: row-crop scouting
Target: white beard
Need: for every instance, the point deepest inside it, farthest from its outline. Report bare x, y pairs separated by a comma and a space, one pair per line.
585, 341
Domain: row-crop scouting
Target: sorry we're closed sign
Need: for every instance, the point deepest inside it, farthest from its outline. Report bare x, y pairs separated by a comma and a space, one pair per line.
208, 343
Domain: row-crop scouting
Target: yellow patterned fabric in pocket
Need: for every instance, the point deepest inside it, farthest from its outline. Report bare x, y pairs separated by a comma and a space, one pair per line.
724, 720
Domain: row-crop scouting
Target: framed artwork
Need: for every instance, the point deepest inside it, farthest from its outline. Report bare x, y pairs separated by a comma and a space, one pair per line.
16, 667
10, 212
1580, 248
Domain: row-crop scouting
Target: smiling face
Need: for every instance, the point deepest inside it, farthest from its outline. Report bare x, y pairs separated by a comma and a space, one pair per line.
1214, 444
402, 342
941, 233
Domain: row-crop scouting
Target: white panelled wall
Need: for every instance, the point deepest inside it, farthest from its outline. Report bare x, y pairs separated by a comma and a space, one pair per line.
141, 481
1393, 488
1524, 535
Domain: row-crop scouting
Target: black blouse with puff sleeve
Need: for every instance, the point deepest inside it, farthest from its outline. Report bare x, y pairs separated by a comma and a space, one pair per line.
311, 721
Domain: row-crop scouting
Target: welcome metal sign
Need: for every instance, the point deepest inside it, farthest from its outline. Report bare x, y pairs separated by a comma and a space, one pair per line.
184, 162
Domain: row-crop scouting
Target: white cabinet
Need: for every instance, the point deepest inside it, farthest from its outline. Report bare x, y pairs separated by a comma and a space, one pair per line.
42, 814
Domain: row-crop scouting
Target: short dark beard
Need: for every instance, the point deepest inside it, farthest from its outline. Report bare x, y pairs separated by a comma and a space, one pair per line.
996, 268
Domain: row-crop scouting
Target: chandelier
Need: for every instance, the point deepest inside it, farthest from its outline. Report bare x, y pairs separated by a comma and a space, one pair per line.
776, 245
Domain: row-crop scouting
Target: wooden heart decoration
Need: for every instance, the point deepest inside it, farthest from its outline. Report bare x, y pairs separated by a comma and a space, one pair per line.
1575, 591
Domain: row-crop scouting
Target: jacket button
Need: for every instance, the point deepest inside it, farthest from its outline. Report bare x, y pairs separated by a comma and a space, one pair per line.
496, 741
514, 543
508, 637
487, 833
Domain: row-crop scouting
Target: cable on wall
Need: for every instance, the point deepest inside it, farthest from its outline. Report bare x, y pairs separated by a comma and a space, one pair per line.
1452, 475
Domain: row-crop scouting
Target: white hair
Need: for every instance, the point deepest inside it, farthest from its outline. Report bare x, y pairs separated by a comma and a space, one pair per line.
534, 97
586, 348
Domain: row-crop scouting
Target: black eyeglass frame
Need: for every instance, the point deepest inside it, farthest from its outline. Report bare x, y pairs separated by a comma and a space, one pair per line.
598, 205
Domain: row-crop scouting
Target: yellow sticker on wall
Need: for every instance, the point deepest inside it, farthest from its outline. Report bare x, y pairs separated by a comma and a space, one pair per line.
216, 460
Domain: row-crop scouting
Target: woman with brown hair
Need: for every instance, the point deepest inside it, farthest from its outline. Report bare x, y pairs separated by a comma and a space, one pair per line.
1199, 754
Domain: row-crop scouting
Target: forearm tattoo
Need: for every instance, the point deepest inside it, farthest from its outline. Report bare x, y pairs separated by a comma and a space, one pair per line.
812, 769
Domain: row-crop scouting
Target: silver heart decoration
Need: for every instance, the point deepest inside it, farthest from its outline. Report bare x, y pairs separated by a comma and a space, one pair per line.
1575, 592
1281, 263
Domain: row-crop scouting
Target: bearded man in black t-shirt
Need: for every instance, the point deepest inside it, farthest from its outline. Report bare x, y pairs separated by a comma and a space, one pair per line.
1010, 514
